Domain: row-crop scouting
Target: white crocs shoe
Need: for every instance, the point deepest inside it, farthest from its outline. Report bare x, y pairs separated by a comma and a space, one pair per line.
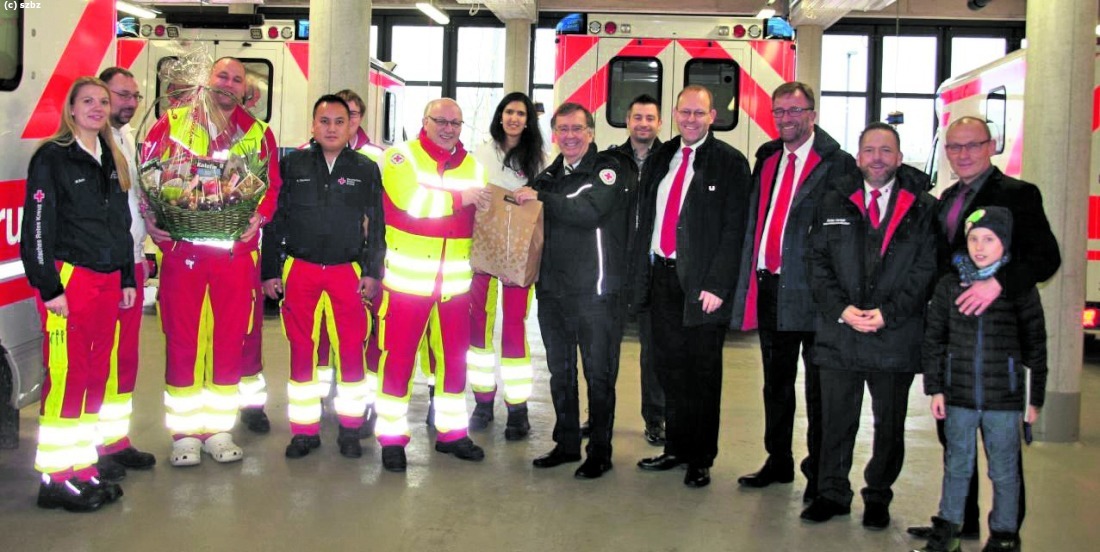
221, 448
186, 452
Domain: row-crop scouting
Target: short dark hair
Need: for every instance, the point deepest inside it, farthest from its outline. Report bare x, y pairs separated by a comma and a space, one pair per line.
330, 98
111, 72
879, 125
644, 99
788, 88
349, 96
569, 108
700, 89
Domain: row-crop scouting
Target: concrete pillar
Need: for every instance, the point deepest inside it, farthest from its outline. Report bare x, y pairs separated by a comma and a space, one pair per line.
339, 47
1057, 91
808, 69
517, 57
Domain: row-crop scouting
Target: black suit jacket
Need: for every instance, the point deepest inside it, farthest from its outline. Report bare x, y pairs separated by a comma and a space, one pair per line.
710, 227
1034, 250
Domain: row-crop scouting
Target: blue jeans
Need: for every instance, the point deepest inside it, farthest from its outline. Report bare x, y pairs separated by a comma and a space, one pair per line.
1001, 437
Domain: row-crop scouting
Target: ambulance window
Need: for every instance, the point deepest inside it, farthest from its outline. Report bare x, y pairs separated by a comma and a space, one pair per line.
257, 92
722, 77
11, 48
389, 118
996, 105
630, 78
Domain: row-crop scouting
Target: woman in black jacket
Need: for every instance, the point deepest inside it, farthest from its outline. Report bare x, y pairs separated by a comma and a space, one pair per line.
77, 252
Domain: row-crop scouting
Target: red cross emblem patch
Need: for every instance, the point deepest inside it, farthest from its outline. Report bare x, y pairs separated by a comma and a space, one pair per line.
608, 176
397, 159
39, 196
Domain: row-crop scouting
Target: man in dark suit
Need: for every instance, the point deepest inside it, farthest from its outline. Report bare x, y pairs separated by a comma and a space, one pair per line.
1034, 250
791, 175
643, 123
684, 259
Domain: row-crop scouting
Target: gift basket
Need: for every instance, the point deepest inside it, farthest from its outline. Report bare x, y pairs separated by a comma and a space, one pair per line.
201, 165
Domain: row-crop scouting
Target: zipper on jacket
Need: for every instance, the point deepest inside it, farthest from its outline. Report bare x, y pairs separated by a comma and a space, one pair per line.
978, 360
1011, 375
947, 379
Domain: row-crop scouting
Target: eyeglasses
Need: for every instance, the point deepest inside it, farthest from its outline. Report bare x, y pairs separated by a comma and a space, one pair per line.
128, 96
793, 112
445, 123
970, 148
354, 114
575, 129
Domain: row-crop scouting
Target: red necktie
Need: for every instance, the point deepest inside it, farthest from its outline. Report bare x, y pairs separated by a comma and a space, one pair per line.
873, 211
773, 252
672, 206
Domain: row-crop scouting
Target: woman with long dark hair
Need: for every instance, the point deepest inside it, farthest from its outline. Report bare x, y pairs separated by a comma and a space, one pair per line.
78, 254
512, 158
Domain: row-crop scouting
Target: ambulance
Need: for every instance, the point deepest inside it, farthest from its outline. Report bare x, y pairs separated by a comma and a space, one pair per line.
604, 61
996, 92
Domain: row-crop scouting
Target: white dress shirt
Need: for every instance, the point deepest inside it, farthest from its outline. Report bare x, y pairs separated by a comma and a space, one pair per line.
663, 190
801, 155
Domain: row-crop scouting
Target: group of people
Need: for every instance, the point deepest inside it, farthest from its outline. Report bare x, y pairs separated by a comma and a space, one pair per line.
846, 262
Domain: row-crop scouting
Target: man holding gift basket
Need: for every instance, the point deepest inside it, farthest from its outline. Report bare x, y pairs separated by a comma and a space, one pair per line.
211, 175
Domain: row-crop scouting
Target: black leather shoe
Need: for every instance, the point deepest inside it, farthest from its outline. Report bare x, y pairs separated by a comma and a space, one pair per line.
593, 468
556, 457
482, 416
655, 434
133, 459
810, 493
664, 462
301, 445
766, 476
518, 425
255, 419
348, 442
393, 458
822, 509
369, 418
586, 430
463, 449
110, 491
697, 477
73, 495
109, 470
876, 516
925, 532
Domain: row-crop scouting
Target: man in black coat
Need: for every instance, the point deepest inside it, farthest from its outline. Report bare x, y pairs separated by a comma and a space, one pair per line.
774, 286
872, 259
684, 261
1034, 249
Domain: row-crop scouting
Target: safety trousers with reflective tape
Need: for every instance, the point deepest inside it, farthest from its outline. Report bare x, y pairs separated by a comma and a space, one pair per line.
315, 295
253, 387
515, 355
76, 355
118, 403
206, 295
403, 321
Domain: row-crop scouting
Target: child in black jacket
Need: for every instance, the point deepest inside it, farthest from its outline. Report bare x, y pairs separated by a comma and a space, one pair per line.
976, 370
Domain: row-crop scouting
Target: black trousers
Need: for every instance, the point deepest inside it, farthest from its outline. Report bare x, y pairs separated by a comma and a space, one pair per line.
653, 395
780, 350
841, 403
971, 513
689, 366
594, 325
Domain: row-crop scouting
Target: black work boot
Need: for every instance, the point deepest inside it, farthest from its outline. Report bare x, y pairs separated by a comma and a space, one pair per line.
1002, 541
301, 445
463, 449
944, 537
393, 458
73, 495
255, 419
348, 441
518, 427
482, 416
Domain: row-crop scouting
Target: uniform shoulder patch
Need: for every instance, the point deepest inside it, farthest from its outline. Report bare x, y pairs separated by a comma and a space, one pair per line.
608, 176
397, 158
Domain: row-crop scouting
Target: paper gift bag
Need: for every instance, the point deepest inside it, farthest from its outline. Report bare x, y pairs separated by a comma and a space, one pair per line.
508, 239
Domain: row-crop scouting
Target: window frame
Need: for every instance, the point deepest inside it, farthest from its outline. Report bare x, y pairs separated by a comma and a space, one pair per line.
736, 112
12, 83
613, 111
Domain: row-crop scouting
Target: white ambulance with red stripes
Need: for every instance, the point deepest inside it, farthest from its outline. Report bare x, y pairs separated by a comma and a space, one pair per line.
996, 92
43, 50
604, 61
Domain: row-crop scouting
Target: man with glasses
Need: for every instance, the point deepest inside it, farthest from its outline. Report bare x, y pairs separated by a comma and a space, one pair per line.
359, 141
585, 195
114, 417
791, 175
431, 188
692, 211
1034, 250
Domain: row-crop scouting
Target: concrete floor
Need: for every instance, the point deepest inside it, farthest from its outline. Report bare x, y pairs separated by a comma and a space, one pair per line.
324, 501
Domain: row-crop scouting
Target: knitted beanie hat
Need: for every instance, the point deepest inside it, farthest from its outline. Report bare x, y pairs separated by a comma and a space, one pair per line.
997, 219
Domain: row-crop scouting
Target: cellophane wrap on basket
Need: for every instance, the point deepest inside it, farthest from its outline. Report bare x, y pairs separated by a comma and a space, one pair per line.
202, 172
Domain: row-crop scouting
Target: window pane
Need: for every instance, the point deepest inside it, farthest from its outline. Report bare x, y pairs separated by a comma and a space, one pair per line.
480, 54
374, 41
545, 96
916, 132
257, 95
478, 106
721, 77
968, 53
843, 118
11, 30
546, 52
416, 97
418, 53
844, 63
630, 78
909, 64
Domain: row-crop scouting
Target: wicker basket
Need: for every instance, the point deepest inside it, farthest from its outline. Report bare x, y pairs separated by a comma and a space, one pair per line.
226, 223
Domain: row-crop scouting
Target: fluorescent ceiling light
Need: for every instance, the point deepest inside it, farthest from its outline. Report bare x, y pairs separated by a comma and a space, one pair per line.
136, 11
766, 13
433, 12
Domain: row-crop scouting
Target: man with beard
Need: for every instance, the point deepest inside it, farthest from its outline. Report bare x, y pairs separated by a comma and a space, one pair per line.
872, 258
118, 404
